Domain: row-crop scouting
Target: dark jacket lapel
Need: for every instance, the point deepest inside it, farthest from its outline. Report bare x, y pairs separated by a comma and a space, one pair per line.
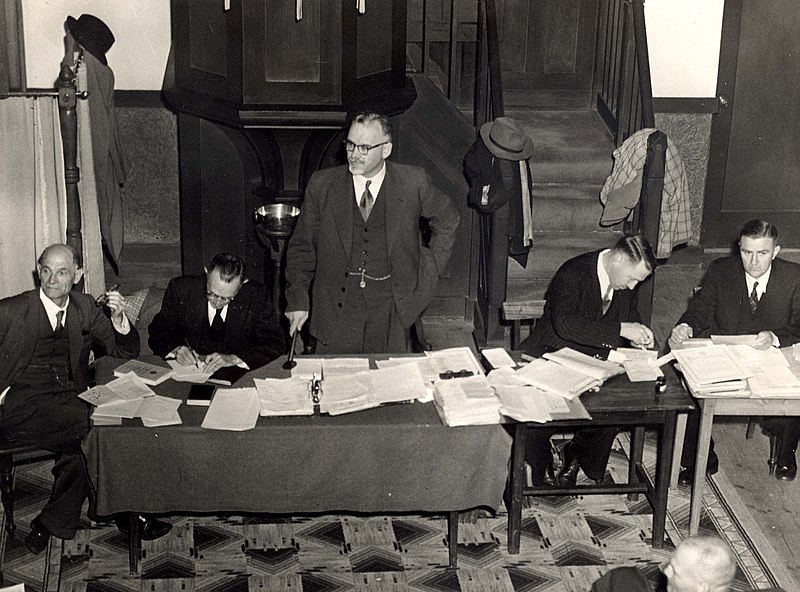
395, 196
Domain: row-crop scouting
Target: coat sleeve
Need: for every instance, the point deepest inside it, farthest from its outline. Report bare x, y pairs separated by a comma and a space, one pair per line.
267, 341
107, 340
443, 219
301, 253
166, 329
700, 313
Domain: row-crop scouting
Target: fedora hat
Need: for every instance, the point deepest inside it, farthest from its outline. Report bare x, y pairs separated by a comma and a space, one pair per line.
621, 201
505, 139
93, 34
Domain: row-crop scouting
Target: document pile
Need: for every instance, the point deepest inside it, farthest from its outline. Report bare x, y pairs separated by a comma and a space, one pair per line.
128, 397
466, 401
197, 373
714, 370
567, 372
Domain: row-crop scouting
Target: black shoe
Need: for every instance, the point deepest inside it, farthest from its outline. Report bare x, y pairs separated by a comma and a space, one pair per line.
150, 528
786, 472
546, 480
568, 475
686, 476
37, 539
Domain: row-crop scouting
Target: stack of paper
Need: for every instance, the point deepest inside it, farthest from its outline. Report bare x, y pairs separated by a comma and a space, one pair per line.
557, 379
713, 371
346, 394
235, 409
602, 370
466, 401
452, 360
117, 399
149, 373
284, 396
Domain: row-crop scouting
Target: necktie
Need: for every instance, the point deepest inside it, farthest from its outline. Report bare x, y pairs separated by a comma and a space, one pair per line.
367, 199
607, 300
218, 325
59, 321
754, 298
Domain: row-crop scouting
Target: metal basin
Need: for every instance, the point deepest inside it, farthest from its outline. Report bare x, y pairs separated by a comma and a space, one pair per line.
276, 220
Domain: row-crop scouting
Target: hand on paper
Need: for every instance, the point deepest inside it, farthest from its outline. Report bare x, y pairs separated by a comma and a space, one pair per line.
637, 334
680, 333
297, 318
186, 356
765, 340
216, 361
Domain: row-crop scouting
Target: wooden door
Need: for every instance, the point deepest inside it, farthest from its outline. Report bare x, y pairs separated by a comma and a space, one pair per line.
754, 164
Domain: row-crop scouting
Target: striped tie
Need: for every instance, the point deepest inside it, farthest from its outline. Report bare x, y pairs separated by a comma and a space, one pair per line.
367, 199
754, 298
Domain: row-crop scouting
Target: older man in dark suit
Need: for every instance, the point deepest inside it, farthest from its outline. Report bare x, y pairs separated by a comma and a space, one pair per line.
220, 318
45, 338
590, 307
749, 293
356, 260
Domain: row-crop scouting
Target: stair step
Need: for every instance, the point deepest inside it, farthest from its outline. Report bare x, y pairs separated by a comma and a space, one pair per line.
566, 207
520, 98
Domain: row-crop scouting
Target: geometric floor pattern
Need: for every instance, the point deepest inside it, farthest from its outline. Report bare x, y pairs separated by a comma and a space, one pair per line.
567, 543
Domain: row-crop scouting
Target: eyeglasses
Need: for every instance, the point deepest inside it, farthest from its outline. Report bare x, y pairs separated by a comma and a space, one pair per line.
363, 149
212, 296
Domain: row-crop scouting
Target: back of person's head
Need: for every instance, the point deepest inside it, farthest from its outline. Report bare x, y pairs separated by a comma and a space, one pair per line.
637, 248
228, 266
703, 563
370, 118
756, 228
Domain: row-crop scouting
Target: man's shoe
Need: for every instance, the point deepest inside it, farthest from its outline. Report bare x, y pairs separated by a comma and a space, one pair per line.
37, 539
686, 476
568, 475
546, 480
150, 528
786, 472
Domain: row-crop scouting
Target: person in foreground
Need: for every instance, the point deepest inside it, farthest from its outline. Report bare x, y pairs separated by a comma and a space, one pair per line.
45, 338
700, 563
220, 318
590, 307
356, 260
753, 292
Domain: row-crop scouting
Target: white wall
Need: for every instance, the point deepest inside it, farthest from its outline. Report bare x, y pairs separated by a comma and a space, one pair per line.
138, 57
684, 38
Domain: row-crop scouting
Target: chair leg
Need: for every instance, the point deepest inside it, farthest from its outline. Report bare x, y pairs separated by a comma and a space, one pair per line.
774, 446
751, 427
7, 490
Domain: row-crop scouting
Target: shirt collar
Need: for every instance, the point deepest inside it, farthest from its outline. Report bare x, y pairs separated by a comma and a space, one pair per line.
360, 181
51, 308
762, 282
212, 312
602, 275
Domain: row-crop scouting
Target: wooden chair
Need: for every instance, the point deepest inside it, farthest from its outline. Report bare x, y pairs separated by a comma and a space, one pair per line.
14, 454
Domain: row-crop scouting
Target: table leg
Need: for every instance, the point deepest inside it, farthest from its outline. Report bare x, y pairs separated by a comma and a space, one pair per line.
452, 539
517, 480
637, 449
677, 449
134, 542
663, 467
706, 407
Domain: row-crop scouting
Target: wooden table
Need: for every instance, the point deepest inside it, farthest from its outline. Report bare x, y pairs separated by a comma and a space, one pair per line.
391, 459
619, 402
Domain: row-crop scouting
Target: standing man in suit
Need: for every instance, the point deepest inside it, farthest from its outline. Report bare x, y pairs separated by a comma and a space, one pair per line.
590, 307
220, 318
752, 293
356, 260
45, 338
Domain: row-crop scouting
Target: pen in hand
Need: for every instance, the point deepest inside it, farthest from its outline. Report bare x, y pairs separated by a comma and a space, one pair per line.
103, 298
194, 355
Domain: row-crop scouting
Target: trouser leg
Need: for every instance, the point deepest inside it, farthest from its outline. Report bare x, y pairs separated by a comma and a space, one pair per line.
690, 441
62, 512
592, 447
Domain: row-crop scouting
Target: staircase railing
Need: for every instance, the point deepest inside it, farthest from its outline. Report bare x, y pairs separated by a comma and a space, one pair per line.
625, 102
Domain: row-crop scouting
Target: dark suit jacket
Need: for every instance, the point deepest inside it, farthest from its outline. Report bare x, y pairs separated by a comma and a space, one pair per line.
318, 255
624, 579
252, 330
718, 306
87, 327
573, 312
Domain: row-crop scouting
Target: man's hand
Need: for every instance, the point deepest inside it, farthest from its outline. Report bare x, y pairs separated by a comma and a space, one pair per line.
186, 356
680, 333
297, 318
116, 304
217, 360
765, 340
637, 334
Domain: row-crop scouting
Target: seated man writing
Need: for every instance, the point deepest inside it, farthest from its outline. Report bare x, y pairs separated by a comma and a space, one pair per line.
749, 293
221, 319
590, 307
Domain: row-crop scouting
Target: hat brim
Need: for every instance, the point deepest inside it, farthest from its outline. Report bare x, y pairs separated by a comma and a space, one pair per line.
498, 151
74, 28
621, 202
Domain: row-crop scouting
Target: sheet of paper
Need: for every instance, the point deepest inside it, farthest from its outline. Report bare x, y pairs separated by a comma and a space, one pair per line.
235, 409
157, 423
734, 339
599, 369
498, 357
191, 373
425, 364
454, 359
128, 387
158, 409
307, 367
346, 394
396, 384
621, 354
555, 378
642, 369
504, 377
284, 396
709, 365
102, 420
343, 366
126, 409
523, 403
149, 373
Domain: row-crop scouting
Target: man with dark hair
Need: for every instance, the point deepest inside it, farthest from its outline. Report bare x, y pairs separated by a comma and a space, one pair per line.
752, 293
700, 563
356, 260
220, 318
590, 307
45, 338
